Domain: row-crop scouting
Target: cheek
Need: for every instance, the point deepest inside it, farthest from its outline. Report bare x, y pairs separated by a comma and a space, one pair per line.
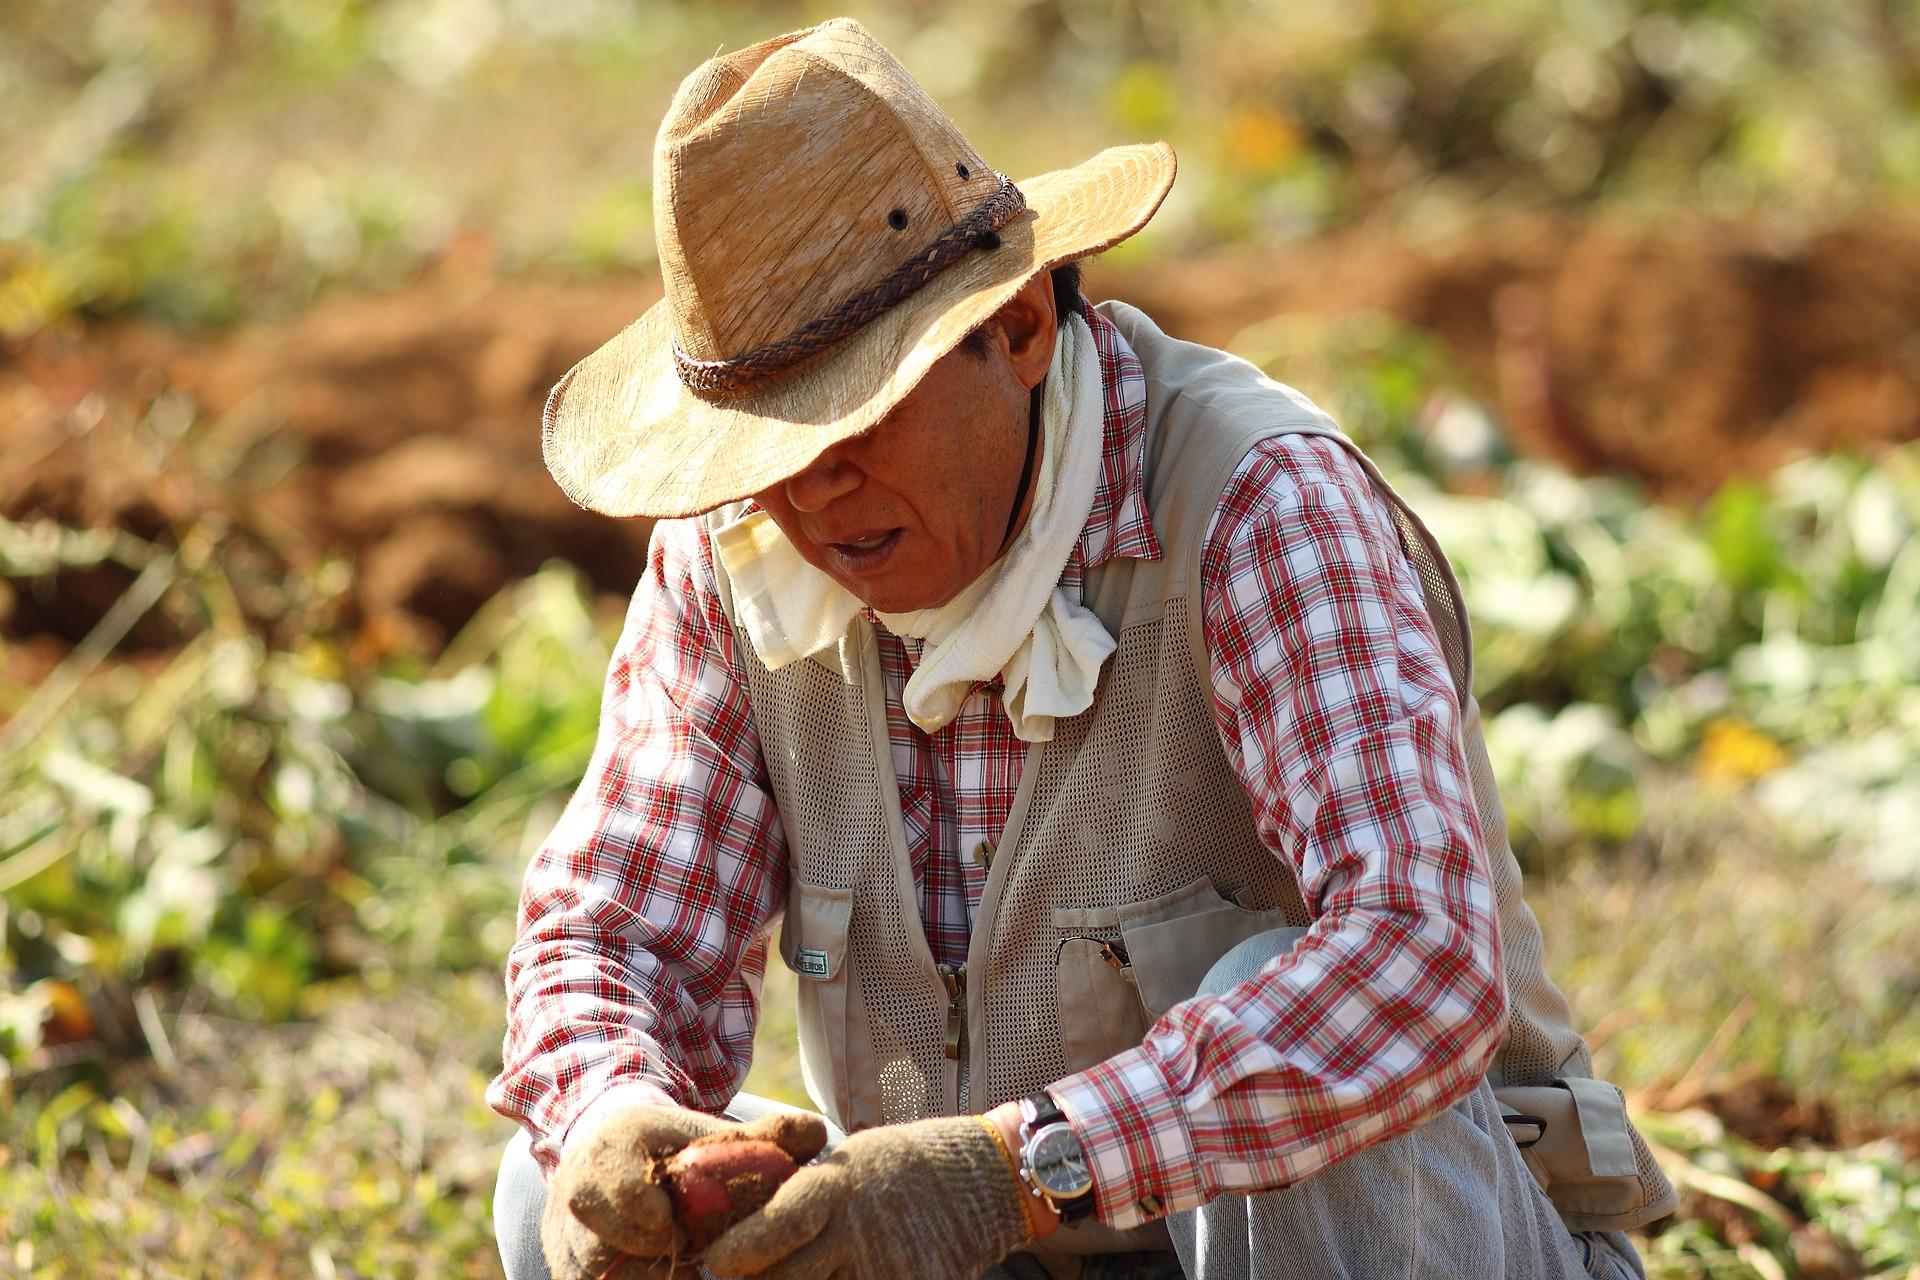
789, 523
776, 506
958, 465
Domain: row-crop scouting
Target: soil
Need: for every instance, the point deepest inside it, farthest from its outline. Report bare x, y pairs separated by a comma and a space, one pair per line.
399, 431
1679, 353
1768, 1113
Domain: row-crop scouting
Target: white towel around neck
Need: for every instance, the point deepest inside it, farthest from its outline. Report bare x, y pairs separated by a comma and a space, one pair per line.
1015, 620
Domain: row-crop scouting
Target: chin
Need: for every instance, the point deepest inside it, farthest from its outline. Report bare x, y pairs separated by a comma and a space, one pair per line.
908, 595
898, 602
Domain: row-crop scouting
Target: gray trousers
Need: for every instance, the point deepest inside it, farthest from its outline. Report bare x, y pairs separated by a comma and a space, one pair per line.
1449, 1201
1453, 1198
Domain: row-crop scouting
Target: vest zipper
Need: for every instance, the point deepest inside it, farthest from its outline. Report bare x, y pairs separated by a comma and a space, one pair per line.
955, 978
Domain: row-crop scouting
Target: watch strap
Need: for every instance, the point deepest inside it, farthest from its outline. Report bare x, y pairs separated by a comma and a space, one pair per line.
1045, 1111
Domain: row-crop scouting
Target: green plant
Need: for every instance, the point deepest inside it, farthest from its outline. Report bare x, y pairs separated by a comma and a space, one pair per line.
252, 821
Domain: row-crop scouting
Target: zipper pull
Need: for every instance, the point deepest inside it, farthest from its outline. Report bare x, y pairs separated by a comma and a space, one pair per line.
1115, 954
955, 978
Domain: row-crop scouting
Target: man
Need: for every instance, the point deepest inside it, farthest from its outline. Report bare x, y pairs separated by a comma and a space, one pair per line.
1092, 719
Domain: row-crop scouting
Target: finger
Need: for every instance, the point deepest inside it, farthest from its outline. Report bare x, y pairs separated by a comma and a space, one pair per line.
627, 1209
615, 1187
575, 1253
557, 1228
663, 1131
796, 1214
822, 1259
801, 1134
648, 1131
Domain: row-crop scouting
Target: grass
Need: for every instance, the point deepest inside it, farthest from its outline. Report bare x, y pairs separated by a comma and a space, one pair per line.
355, 1142
352, 1144
1730, 964
201, 163
1734, 954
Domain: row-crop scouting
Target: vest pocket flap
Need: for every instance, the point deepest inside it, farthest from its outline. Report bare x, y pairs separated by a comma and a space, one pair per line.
1603, 1124
813, 938
1584, 1152
1173, 941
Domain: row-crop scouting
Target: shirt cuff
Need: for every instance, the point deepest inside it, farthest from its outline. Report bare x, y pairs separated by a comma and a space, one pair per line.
1133, 1127
628, 1093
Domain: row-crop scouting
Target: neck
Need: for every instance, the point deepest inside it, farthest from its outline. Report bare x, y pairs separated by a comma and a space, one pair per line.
1023, 492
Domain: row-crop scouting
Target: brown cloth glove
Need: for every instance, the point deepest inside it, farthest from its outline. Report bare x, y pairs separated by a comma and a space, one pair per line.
935, 1199
608, 1217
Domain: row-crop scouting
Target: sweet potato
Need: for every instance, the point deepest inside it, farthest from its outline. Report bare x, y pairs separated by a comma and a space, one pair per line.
720, 1179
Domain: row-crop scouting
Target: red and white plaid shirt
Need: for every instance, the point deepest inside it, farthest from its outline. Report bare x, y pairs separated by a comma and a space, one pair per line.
644, 918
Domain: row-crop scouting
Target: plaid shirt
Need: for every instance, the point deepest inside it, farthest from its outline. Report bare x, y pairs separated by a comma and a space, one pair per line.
644, 918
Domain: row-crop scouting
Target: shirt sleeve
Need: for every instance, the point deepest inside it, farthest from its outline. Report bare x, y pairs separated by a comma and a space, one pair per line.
1335, 707
641, 940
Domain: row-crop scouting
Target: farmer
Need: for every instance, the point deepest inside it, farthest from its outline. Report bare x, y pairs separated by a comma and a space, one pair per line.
1093, 724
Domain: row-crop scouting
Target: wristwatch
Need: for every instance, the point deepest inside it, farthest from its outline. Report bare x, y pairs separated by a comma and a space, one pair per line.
1051, 1161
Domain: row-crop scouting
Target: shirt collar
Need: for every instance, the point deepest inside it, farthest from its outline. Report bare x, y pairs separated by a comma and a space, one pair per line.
1118, 524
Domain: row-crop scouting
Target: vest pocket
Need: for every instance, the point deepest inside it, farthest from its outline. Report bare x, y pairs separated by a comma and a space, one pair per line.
813, 943
813, 937
1175, 940
1100, 1011
1120, 968
1586, 1155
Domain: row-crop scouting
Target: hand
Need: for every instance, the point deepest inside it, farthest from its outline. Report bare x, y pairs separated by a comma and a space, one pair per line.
937, 1199
609, 1218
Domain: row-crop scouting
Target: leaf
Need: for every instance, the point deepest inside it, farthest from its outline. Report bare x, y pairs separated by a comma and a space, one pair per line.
1739, 531
96, 788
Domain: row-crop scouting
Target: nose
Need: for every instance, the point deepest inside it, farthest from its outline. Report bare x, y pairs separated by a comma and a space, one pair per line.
827, 478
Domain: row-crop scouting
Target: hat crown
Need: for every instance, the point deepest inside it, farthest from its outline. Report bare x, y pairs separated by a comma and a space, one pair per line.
791, 175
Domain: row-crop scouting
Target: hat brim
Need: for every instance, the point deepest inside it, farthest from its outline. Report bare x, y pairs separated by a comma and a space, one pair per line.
623, 436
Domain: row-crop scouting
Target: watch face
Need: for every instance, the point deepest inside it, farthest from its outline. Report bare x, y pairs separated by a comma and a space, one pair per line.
1057, 1162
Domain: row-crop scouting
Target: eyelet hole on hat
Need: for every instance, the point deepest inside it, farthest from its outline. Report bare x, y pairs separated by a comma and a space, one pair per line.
897, 219
962, 171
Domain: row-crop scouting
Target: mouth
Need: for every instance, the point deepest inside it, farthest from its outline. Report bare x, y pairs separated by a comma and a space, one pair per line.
867, 554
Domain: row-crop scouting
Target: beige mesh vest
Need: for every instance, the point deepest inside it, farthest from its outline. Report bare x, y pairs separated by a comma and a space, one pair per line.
1128, 827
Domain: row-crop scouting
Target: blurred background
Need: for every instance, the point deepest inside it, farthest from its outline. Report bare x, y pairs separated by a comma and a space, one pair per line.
300, 648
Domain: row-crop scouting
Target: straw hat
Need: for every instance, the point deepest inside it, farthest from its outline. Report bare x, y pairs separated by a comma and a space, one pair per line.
825, 234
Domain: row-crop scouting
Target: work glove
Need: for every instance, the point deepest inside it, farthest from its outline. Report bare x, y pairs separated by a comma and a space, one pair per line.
609, 1218
935, 1199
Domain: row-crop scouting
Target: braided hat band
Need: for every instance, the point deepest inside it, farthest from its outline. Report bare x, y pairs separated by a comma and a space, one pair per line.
741, 374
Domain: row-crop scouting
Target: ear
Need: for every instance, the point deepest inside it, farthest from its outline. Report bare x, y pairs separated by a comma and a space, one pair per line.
1027, 325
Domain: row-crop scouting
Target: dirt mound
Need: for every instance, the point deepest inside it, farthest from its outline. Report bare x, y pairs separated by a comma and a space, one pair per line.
400, 431
1765, 1111
1680, 353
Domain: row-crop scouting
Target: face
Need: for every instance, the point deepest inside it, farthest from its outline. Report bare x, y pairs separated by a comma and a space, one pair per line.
908, 514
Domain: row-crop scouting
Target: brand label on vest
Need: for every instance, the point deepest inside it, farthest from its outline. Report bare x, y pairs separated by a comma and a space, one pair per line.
811, 963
